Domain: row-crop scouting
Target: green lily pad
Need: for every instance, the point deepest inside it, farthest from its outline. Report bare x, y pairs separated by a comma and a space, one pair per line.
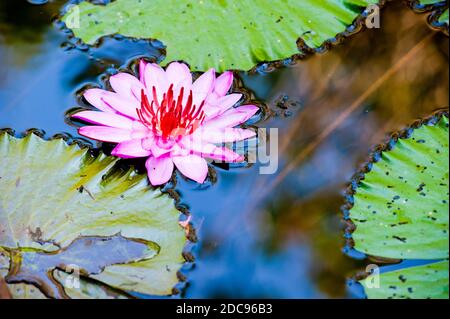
85, 290
63, 208
444, 17
420, 282
400, 205
429, 2
219, 34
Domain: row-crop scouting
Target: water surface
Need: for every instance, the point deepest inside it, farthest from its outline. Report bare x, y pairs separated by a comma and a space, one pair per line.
279, 235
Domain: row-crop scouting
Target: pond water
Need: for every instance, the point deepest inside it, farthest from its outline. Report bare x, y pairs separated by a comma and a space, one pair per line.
277, 235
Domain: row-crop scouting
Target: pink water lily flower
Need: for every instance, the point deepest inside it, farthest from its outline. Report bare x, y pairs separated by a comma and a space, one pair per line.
168, 118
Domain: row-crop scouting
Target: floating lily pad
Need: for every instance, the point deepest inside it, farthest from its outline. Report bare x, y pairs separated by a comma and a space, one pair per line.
444, 17
420, 282
400, 205
428, 2
441, 20
63, 208
85, 290
219, 34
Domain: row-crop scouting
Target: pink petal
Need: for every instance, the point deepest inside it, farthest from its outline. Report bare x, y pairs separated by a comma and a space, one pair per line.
222, 104
223, 83
121, 104
232, 117
186, 84
126, 85
203, 86
223, 135
130, 149
103, 118
221, 154
148, 142
192, 166
228, 100
210, 150
157, 146
178, 72
159, 169
142, 65
105, 134
159, 151
180, 77
154, 76
94, 97
139, 126
140, 132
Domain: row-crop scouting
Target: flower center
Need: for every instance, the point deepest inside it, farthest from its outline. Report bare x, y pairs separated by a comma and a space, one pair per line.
169, 118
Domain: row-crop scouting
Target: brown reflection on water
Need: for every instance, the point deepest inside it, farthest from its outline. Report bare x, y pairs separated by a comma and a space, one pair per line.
377, 82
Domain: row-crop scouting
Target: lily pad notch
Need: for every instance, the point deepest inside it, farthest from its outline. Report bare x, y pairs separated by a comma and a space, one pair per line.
397, 209
65, 207
225, 35
438, 13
